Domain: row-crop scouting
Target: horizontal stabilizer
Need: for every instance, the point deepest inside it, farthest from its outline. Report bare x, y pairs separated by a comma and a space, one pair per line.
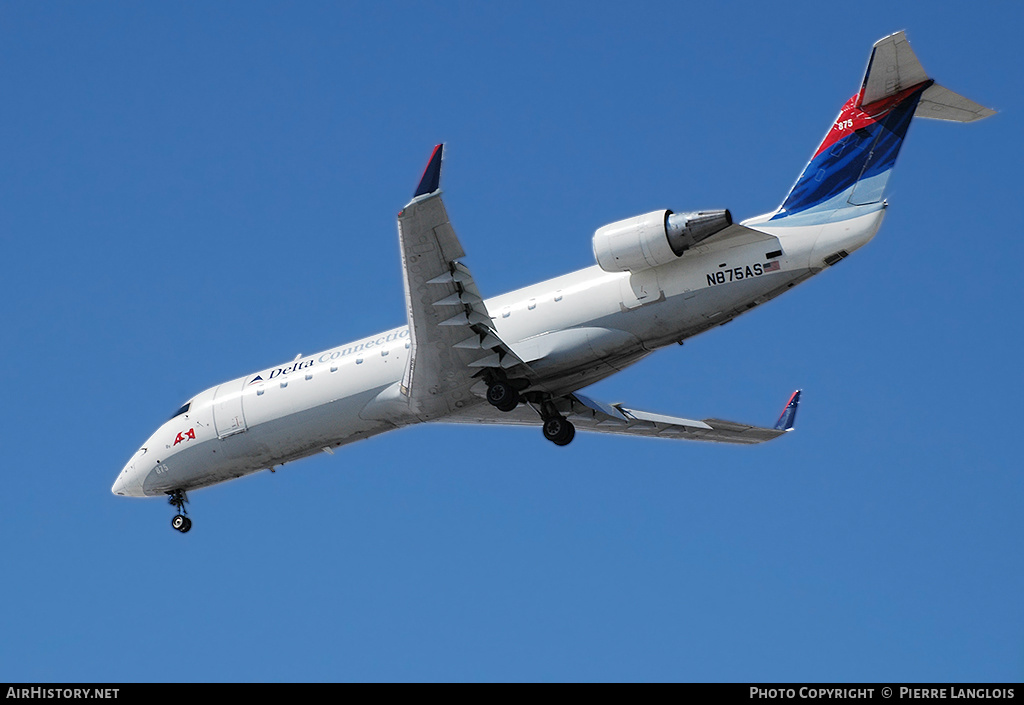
938, 103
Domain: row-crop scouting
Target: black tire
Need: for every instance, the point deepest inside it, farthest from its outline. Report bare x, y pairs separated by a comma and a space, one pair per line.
178, 522
503, 396
569, 435
186, 526
558, 430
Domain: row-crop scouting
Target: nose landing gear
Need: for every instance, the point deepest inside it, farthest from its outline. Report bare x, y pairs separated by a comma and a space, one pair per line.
180, 522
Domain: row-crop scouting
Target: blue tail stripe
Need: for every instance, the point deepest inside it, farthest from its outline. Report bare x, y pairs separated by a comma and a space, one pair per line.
868, 152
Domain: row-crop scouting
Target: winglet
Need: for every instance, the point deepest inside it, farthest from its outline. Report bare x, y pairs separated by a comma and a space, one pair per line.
431, 180
788, 416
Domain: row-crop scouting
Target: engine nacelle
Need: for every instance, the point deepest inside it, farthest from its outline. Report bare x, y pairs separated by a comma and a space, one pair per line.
654, 239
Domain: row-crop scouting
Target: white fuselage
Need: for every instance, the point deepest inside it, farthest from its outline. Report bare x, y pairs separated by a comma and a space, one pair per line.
574, 330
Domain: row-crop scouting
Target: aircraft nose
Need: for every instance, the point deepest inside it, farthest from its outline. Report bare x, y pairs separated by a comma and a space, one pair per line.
127, 483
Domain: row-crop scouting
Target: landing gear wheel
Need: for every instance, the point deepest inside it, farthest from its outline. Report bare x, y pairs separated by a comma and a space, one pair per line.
503, 396
558, 430
180, 522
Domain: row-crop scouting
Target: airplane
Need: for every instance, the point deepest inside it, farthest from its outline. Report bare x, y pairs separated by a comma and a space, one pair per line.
522, 357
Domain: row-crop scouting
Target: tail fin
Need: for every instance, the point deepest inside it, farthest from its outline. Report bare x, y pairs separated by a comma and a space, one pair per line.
852, 166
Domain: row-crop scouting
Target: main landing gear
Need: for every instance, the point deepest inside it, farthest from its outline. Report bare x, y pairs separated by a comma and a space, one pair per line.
559, 430
503, 395
180, 522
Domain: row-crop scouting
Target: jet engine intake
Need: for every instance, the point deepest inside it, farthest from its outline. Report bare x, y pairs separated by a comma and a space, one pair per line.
655, 238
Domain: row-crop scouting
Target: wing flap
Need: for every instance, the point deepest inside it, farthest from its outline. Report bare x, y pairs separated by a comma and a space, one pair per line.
635, 415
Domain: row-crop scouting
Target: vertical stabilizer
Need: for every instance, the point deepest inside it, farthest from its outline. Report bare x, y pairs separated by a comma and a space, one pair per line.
848, 173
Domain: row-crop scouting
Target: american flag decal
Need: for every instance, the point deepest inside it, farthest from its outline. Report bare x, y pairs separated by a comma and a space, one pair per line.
771, 267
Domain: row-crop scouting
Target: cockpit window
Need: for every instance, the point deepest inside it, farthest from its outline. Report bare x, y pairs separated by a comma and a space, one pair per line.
182, 410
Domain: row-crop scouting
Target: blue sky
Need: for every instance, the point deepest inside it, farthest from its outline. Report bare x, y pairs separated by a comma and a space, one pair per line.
192, 193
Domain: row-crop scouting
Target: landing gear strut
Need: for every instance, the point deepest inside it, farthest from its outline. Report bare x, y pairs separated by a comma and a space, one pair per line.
559, 430
503, 396
180, 521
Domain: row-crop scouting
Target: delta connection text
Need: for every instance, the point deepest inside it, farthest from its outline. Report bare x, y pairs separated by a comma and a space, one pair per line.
915, 692
335, 354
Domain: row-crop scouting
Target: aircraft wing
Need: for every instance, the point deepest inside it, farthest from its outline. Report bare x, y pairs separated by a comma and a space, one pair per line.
453, 340
589, 415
